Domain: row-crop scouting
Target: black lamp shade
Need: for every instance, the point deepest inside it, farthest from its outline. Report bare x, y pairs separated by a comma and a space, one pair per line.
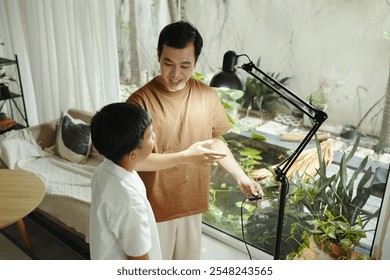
228, 78
231, 80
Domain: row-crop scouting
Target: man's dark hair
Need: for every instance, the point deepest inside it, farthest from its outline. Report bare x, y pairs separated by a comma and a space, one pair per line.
178, 35
118, 129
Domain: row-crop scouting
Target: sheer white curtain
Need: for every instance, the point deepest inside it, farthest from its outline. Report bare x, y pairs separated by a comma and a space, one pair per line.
71, 51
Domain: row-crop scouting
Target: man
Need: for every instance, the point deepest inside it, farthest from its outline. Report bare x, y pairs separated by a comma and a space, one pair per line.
189, 121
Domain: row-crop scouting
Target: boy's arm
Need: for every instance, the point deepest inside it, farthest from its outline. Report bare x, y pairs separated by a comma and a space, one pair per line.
198, 153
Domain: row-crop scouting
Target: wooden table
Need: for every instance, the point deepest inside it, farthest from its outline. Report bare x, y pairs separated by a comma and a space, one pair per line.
20, 193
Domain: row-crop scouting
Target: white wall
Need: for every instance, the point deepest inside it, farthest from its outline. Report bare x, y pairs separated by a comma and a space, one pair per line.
313, 41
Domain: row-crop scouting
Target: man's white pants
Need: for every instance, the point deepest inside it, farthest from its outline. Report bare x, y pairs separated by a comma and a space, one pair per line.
180, 239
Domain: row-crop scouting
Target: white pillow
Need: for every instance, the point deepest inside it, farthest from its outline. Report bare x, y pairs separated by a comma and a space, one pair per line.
73, 139
13, 150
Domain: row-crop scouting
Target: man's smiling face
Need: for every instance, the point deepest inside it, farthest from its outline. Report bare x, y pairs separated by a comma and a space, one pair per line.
177, 66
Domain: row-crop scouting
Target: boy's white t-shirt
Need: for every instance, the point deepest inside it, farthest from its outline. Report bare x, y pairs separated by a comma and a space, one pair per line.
121, 220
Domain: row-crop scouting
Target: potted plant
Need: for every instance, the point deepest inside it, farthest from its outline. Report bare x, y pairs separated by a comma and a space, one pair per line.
334, 236
5, 81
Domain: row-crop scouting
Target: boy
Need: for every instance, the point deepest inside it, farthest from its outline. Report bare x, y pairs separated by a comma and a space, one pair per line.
122, 224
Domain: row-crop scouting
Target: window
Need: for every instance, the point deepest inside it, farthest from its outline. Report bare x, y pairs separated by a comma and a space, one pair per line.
285, 48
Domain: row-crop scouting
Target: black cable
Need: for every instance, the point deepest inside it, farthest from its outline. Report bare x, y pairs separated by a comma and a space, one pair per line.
242, 230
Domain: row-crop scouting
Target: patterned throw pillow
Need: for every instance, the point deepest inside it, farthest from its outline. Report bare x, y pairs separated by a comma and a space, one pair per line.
73, 139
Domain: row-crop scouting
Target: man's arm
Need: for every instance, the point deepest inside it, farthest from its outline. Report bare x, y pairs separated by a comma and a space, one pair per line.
247, 185
199, 153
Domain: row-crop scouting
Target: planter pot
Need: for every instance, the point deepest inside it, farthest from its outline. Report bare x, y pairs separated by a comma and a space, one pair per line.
3, 116
314, 252
348, 131
334, 252
337, 253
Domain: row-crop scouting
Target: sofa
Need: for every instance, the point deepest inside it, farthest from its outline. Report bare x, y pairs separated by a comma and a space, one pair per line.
61, 153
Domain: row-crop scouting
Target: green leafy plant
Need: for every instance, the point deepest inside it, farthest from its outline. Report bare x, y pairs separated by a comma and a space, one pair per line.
258, 94
249, 158
333, 235
320, 98
341, 193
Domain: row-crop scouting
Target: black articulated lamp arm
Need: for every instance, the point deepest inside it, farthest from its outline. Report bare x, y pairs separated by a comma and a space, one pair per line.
317, 116
314, 114
281, 170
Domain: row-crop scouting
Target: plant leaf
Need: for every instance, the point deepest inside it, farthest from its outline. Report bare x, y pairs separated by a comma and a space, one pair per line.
258, 136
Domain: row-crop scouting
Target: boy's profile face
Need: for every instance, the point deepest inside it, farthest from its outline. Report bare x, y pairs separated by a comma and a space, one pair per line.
177, 66
147, 143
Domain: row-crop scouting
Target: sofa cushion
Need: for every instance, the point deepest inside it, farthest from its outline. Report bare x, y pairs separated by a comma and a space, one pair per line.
73, 139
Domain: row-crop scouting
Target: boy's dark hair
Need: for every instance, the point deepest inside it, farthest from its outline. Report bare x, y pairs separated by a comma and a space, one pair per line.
118, 129
178, 35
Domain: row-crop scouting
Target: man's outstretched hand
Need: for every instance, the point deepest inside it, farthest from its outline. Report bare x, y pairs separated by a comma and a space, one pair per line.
201, 153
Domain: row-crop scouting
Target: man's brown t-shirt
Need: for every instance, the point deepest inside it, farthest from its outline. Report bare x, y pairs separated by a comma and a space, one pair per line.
180, 119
